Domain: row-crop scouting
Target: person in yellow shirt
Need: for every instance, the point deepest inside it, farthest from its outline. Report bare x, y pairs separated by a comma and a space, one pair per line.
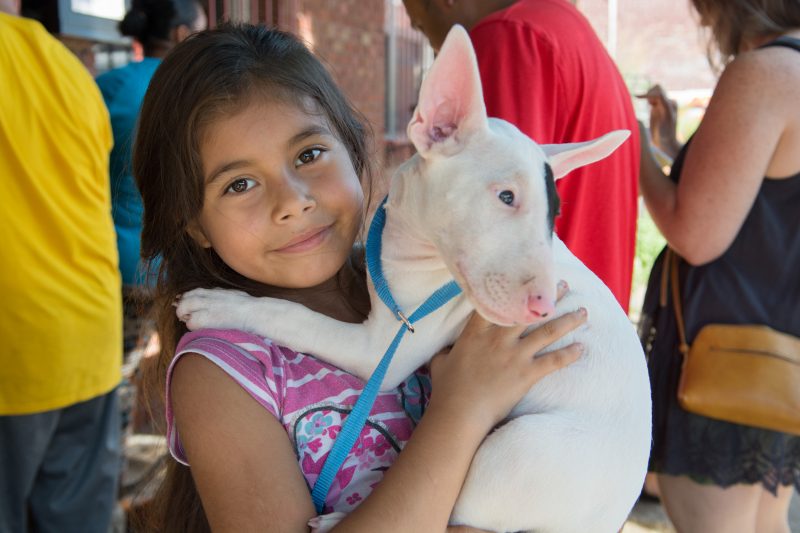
60, 316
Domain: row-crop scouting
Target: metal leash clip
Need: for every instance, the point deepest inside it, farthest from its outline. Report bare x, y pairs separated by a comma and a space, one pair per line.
402, 318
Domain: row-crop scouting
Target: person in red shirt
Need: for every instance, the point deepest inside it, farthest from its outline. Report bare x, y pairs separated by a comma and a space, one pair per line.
544, 69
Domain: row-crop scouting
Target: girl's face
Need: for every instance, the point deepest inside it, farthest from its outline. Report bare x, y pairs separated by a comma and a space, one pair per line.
282, 202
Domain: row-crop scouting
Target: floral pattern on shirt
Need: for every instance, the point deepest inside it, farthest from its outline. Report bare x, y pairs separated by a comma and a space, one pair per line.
315, 431
316, 428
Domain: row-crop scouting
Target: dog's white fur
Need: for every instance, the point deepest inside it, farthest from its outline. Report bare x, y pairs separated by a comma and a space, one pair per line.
573, 453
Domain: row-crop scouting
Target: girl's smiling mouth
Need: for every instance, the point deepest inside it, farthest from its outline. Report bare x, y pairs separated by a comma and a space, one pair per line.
307, 240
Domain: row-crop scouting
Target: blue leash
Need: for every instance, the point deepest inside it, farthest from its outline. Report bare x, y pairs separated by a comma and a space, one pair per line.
354, 423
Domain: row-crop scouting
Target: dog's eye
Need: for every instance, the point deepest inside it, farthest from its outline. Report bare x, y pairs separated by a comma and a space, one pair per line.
507, 197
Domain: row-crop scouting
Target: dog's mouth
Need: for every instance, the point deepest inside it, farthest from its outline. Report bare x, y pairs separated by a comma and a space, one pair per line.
487, 311
494, 317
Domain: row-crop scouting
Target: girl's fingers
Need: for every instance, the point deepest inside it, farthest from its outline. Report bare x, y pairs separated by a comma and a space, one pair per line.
561, 290
477, 325
495, 364
550, 332
545, 363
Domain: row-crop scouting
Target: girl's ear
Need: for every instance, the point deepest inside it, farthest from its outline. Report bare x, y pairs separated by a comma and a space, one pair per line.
197, 234
450, 106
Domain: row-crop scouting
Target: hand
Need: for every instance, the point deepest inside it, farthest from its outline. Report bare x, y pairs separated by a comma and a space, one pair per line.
649, 151
490, 368
663, 120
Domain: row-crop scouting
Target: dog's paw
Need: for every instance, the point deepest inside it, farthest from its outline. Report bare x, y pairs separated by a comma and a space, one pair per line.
215, 308
324, 523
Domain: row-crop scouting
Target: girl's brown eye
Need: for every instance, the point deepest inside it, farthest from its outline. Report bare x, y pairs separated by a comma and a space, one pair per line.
308, 156
241, 185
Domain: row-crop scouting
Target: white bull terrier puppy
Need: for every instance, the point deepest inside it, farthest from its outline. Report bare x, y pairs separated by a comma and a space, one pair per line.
476, 204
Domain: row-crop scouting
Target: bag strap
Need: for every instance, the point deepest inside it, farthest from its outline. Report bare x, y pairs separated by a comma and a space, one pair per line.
671, 262
664, 285
784, 41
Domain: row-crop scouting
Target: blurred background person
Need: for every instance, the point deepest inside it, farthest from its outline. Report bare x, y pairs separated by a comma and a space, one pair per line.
60, 319
731, 209
157, 26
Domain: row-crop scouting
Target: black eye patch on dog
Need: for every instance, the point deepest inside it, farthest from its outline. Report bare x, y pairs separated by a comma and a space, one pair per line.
553, 201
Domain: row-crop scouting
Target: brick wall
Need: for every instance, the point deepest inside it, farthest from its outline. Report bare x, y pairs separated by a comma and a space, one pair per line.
349, 37
658, 41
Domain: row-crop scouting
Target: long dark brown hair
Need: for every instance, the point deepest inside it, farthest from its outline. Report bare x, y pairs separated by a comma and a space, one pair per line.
732, 22
212, 73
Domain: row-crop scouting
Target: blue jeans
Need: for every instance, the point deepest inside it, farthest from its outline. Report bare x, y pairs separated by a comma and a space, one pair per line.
59, 470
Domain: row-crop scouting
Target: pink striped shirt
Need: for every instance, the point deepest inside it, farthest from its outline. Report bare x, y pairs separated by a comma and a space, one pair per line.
311, 399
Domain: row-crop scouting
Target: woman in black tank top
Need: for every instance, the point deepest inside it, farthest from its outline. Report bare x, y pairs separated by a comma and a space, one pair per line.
739, 234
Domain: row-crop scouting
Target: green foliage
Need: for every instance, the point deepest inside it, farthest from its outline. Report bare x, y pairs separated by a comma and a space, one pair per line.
649, 243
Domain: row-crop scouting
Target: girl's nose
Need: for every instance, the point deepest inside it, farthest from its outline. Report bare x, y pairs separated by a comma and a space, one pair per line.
293, 199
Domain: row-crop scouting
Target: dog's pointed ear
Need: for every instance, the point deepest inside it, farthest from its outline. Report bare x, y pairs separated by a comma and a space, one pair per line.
450, 106
565, 158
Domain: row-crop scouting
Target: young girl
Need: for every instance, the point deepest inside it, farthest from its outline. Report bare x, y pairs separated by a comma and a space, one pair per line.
249, 161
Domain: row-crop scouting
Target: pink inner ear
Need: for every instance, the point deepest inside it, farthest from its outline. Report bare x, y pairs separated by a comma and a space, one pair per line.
440, 133
451, 100
446, 117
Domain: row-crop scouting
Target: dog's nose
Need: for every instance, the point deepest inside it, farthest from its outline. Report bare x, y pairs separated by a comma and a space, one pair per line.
540, 306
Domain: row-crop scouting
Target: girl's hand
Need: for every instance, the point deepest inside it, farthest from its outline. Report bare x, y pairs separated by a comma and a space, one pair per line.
663, 120
490, 368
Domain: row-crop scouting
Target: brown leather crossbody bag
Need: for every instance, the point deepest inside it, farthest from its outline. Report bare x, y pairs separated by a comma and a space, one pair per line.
747, 374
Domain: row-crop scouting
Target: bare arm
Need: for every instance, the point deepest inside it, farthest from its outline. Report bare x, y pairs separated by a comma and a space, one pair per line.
236, 476
725, 165
242, 461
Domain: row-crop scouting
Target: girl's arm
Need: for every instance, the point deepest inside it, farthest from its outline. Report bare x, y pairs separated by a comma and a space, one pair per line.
243, 464
725, 164
247, 474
